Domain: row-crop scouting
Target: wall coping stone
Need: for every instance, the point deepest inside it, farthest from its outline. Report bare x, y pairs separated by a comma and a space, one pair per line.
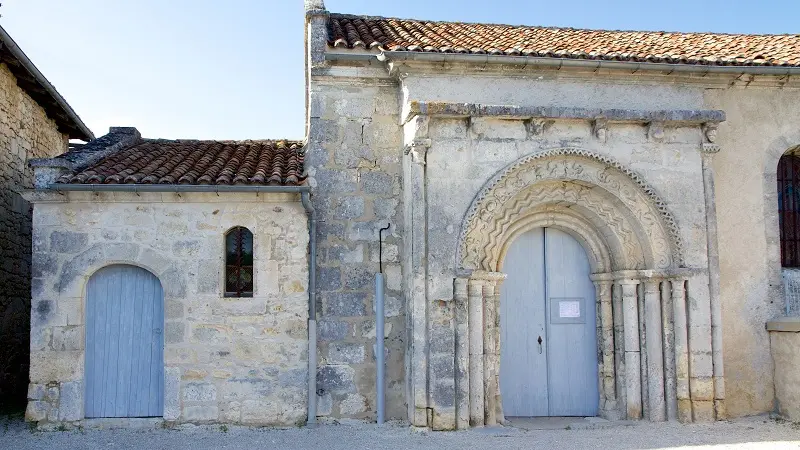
784, 324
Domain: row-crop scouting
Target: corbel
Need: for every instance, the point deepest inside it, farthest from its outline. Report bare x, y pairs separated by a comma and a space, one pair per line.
655, 131
600, 129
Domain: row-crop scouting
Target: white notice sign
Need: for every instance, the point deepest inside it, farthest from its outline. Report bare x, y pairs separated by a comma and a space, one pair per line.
569, 309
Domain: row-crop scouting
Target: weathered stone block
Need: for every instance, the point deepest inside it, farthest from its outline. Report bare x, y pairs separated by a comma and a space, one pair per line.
324, 405
260, 412
336, 379
377, 183
37, 411
204, 413
332, 330
43, 265
68, 242
353, 404
120, 252
174, 332
172, 400
199, 392
358, 277
345, 304
70, 405
348, 207
36, 391
342, 353
67, 338
329, 278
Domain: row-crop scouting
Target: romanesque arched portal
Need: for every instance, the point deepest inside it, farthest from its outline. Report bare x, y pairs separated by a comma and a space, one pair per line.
634, 249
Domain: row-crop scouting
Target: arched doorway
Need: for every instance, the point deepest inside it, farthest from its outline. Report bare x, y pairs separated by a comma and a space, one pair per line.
548, 327
124, 343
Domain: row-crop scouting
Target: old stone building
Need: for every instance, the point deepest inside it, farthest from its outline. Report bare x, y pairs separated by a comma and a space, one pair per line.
35, 122
581, 223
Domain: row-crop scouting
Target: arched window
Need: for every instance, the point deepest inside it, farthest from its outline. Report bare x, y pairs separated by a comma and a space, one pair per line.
789, 209
239, 263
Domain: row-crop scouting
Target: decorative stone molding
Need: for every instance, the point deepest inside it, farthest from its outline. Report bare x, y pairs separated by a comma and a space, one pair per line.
710, 132
710, 149
536, 127
633, 200
600, 129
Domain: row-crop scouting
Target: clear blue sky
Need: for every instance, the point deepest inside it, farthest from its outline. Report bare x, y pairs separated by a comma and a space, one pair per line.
234, 69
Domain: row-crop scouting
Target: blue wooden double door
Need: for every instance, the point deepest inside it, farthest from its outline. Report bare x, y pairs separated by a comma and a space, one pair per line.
124, 374
548, 360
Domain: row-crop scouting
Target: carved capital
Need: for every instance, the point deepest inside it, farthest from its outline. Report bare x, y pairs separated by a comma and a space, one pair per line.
600, 129
418, 149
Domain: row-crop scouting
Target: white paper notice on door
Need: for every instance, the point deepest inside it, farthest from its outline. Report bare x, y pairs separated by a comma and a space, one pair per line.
569, 309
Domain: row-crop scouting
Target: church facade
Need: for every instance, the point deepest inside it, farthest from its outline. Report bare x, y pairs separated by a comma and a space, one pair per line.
581, 223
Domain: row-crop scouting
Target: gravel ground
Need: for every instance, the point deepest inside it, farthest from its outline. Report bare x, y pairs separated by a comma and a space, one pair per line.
751, 433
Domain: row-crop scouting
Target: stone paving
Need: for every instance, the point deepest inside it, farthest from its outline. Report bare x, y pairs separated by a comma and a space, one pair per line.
750, 433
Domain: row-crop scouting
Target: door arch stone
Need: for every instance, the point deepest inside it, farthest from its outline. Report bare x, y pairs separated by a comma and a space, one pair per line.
631, 239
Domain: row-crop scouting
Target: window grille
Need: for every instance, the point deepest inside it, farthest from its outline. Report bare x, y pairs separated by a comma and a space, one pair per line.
239, 263
789, 209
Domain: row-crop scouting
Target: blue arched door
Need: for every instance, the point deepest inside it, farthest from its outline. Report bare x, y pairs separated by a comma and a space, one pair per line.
548, 329
124, 343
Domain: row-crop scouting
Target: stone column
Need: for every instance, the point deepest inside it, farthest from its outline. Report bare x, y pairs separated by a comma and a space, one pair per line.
490, 361
681, 350
669, 351
608, 388
462, 352
476, 387
619, 348
633, 380
415, 253
709, 149
655, 357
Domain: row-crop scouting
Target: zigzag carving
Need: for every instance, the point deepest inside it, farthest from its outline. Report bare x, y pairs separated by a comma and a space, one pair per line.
481, 220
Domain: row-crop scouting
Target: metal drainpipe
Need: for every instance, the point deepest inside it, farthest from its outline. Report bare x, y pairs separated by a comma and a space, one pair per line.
312, 310
380, 346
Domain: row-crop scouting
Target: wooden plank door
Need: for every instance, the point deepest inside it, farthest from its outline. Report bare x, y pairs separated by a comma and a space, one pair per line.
571, 328
124, 343
523, 361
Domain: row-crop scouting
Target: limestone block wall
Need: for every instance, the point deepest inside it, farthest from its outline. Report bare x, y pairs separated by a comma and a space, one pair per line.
761, 126
230, 360
354, 161
25, 132
784, 336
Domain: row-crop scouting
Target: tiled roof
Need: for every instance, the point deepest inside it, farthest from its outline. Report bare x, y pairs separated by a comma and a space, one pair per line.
362, 32
198, 162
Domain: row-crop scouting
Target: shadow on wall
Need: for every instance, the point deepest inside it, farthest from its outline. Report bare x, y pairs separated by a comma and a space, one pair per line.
15, 300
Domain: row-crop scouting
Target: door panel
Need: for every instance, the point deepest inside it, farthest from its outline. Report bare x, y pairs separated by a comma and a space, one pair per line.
124, 343
571, 328
523, 369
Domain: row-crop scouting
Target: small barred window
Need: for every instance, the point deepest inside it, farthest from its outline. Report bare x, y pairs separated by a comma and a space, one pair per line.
239, 263
789, 209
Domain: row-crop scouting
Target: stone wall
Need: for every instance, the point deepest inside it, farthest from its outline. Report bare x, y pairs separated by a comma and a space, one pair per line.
353, 158
231, 360
761, 126
784, 336
25, 132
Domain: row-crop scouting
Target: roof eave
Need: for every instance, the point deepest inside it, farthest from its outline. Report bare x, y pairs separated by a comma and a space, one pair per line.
83, 132
562, 63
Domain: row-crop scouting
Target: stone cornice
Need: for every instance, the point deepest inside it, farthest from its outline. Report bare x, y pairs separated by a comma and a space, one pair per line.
463, 110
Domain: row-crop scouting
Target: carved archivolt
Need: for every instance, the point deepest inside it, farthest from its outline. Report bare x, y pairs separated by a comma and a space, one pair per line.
635, 222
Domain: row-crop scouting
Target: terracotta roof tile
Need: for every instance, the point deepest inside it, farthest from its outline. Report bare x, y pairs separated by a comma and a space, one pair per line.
363, 32
198, 162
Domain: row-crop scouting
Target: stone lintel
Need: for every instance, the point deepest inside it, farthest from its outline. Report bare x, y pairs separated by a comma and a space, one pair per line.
696, 117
